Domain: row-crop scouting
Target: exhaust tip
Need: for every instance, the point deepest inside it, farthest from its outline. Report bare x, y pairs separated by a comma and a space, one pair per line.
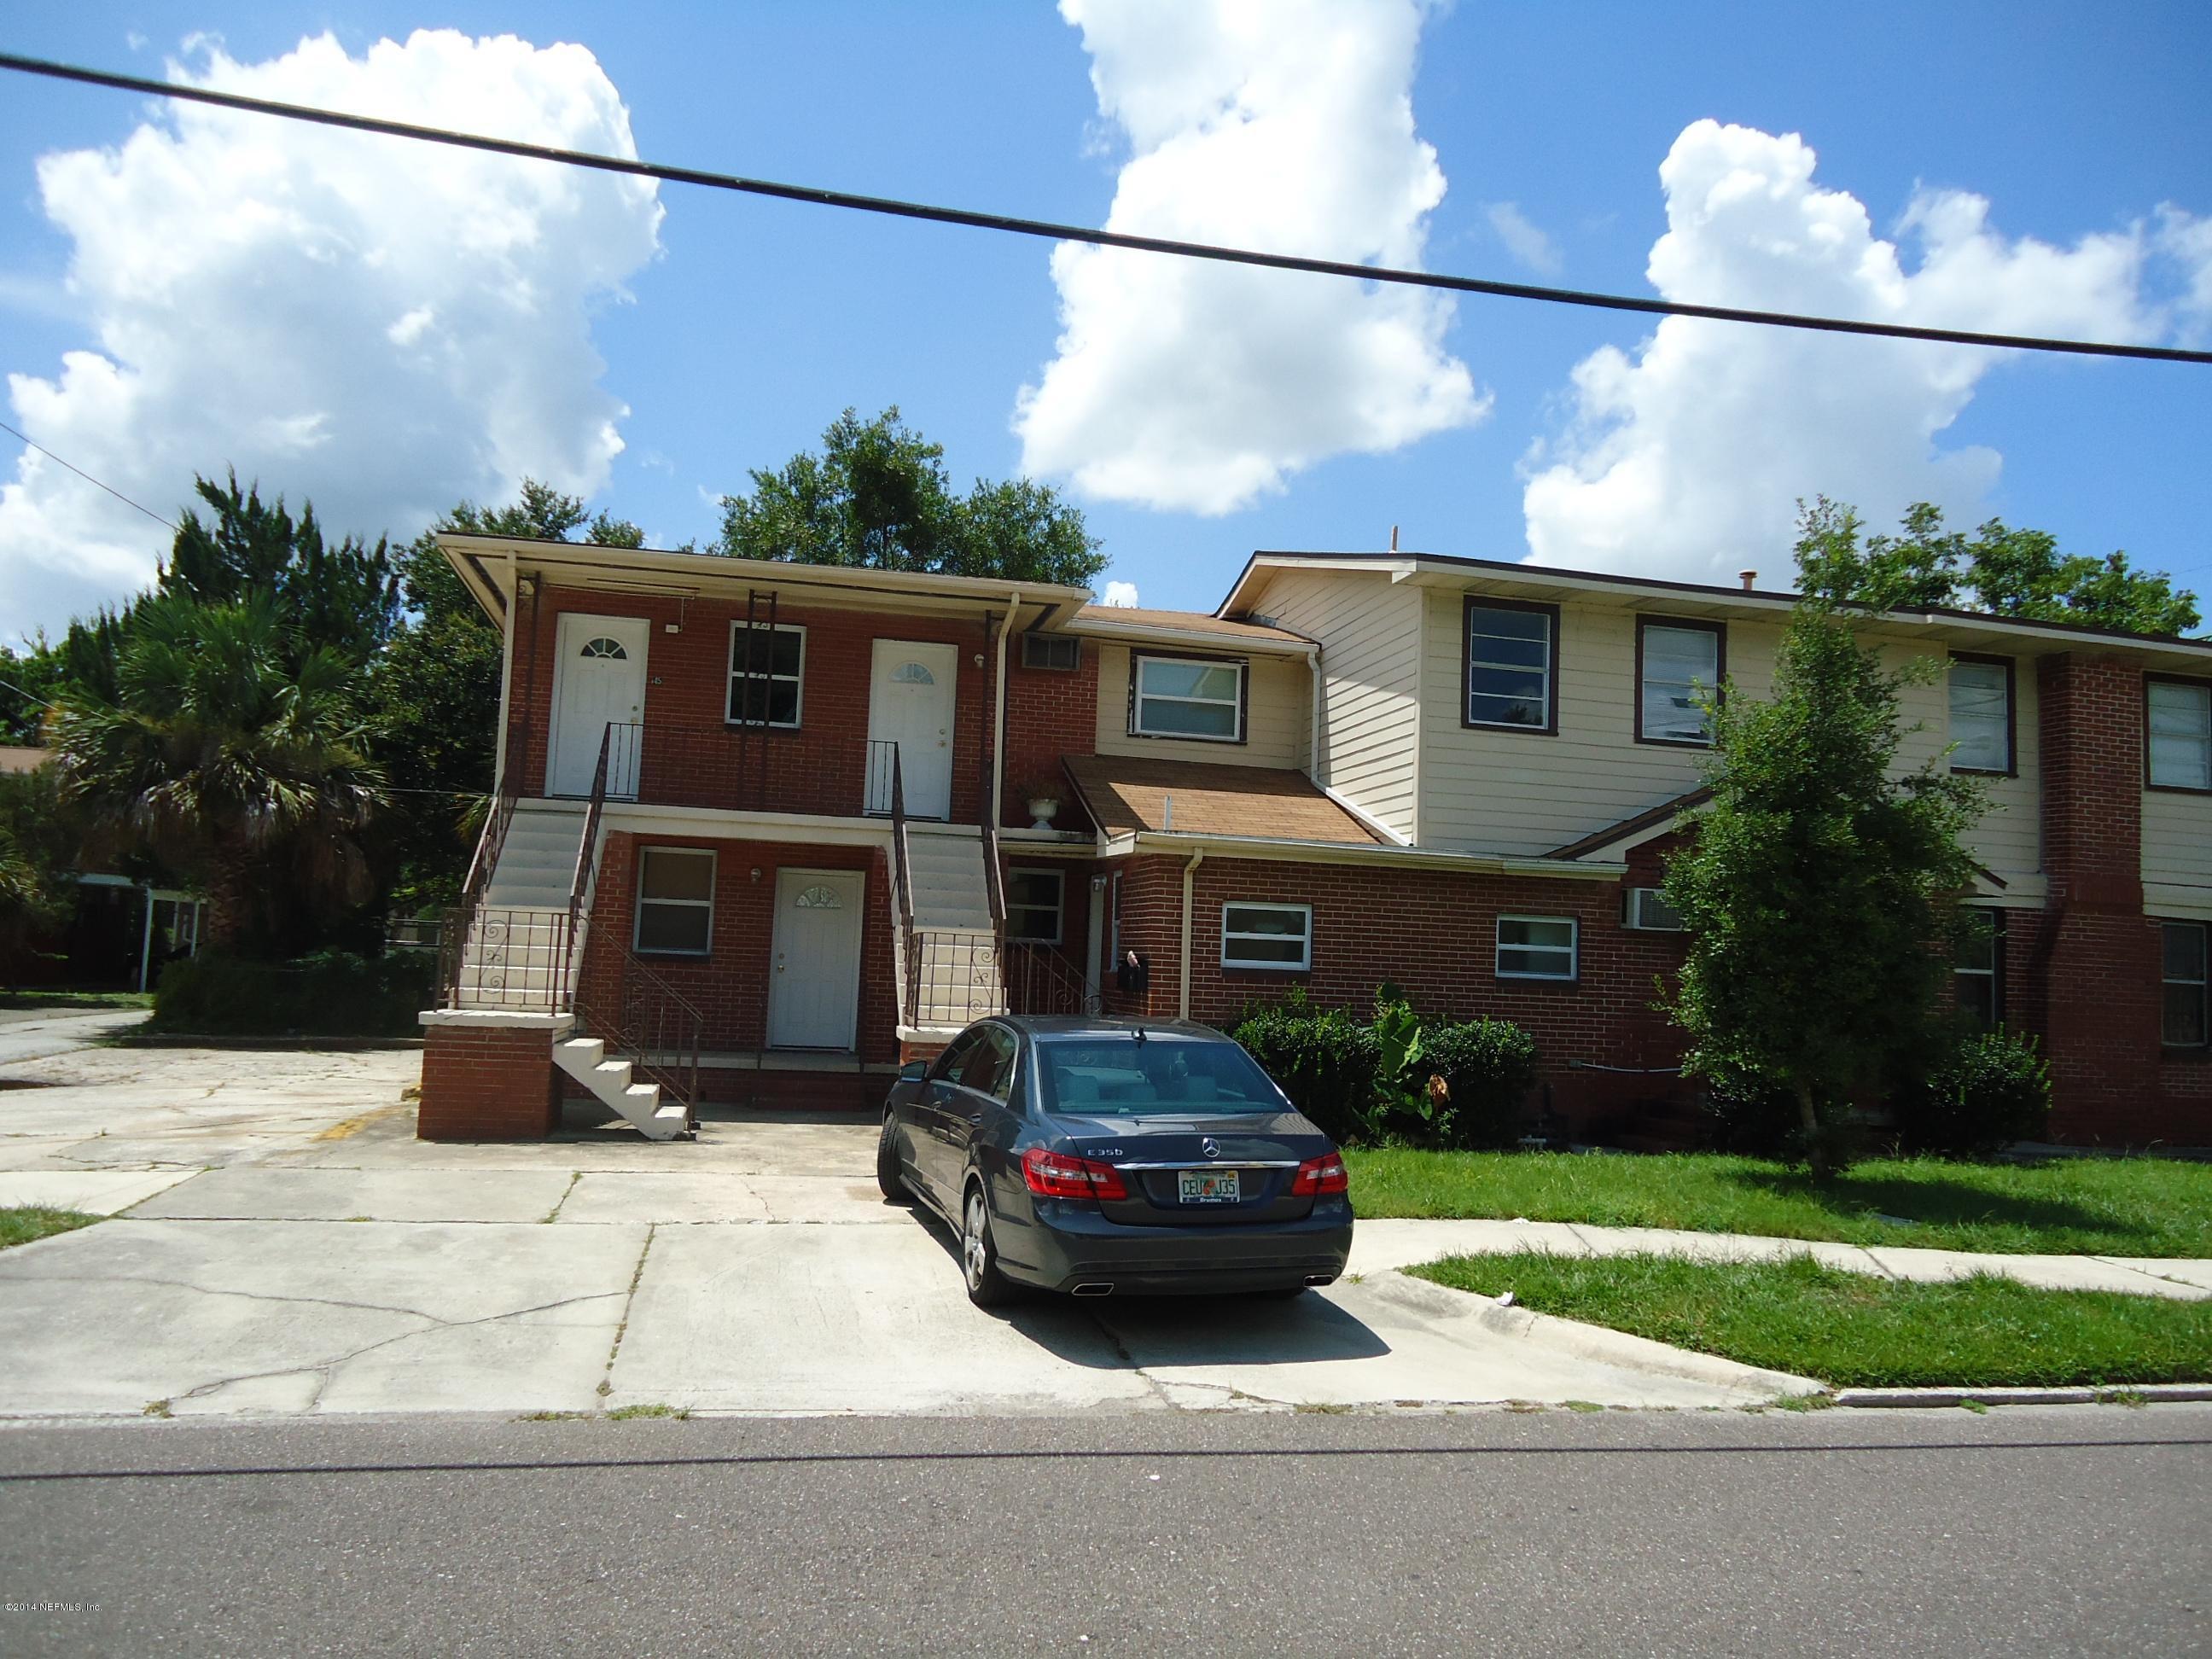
1092, 1290
1319, 1279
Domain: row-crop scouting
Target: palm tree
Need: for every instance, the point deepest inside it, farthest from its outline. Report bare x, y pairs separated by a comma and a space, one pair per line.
226, 744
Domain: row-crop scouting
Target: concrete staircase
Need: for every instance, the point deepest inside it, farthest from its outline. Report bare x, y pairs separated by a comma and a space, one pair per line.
611, 1083
518, 941
958, 967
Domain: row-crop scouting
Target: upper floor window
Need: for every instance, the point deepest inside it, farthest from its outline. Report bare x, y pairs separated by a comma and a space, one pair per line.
765, 664
1199, 698
1981, 714
1677, 668
2181, 733
2184, 942
1977, 972
1512, 665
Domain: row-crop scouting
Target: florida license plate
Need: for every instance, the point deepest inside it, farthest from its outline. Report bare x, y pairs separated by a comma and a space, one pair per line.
1208, 1186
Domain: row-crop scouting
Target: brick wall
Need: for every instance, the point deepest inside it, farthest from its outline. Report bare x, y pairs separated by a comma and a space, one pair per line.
729, 985
694, 757
1051, 715
496, 1083
1434, 934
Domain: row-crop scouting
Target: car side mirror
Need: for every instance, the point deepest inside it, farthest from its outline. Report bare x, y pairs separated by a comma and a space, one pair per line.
913, 1071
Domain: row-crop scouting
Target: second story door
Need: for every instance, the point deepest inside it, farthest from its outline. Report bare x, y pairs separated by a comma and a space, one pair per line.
910, 703
599, 681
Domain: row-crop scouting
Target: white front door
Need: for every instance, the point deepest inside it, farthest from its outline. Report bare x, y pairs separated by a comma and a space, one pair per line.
600, 681
910, 703
814, 983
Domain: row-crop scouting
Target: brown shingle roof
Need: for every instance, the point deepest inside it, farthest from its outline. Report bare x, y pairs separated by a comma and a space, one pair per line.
1184, 621
1127, 793
1664, 812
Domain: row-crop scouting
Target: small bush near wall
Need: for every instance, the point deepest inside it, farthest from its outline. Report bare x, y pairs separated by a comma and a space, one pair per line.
1992, 1090
1368, 1080
332, 993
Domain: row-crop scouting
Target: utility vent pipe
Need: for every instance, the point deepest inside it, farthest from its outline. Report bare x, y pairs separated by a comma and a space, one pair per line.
1748, 577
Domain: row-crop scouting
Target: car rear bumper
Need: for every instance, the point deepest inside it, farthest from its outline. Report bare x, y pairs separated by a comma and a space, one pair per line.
1071, 1245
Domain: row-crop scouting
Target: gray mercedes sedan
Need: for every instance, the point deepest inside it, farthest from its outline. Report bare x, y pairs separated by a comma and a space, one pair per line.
1092, 1155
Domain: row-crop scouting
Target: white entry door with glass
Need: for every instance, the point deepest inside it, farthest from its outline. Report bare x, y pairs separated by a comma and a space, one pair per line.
600, 681
814, 982
910, 703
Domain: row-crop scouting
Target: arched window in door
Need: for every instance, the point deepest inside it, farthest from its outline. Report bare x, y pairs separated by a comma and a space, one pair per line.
604, 647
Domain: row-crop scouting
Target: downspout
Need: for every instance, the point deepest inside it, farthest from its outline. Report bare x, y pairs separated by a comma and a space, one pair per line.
1313, 714
999, 712
506, 674
1189, 872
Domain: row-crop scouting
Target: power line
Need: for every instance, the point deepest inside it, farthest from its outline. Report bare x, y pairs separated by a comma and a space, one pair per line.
86, 476
893, 207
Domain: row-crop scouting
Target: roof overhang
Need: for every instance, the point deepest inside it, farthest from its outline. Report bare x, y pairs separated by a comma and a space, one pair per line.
486, 564
1270, 642
1354, 853
1943, 627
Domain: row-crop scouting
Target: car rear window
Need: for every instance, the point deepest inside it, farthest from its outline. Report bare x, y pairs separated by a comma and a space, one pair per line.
1158, 1077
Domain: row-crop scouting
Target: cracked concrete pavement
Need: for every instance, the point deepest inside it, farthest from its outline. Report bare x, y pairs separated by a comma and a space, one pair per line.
281, 1243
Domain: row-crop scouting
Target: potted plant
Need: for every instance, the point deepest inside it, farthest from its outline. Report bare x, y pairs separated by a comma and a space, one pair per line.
1044, 796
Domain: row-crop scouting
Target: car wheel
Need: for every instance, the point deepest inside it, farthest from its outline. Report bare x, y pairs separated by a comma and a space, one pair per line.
979, 1258
887, 1164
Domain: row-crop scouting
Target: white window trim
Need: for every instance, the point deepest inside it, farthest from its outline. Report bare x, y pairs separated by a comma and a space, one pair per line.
798, 680
1139, 696
1303, 964
1574, 950
637, 910
1059, 908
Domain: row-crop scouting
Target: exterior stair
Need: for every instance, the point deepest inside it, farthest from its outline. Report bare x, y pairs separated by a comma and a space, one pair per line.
517, 948
958, 965
584, 1059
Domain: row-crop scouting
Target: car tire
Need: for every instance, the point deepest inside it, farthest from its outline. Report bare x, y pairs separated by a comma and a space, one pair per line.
887, 1164
988, 1287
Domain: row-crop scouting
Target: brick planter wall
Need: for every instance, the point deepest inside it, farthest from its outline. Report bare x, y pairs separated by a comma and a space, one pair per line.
483, 1081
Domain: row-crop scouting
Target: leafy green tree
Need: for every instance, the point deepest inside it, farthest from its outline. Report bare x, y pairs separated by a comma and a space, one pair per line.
877, 497
1820, 888
230, 753
2000, 569
38, 847
342, 597
434, 692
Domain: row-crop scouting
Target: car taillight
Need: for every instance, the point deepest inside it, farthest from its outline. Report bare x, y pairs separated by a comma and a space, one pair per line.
1063, 1174
1317, 1177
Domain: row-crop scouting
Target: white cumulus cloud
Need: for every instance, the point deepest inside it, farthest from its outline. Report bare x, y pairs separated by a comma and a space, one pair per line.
380, 325
1525, 239
1285, 125
1121, 595
1685, 458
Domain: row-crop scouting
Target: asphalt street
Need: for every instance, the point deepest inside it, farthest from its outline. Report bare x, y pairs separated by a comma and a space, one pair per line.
2078, 1530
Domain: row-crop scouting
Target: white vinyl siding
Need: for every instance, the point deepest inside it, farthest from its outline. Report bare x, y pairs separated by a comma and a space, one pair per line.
1370, 683
1277, 936
1275, 714
1981, 717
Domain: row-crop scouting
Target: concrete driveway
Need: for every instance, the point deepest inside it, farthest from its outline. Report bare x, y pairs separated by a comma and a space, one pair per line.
283, 1244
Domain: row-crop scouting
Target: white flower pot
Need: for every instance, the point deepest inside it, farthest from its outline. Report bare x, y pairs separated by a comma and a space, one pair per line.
1041, 809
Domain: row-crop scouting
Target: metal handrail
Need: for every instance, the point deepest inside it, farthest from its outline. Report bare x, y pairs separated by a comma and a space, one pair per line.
587, 863
649, 1023
1039, 979
902, 875
455, 924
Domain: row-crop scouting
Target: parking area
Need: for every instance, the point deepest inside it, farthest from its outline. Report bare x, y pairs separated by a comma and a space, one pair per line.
281, 1243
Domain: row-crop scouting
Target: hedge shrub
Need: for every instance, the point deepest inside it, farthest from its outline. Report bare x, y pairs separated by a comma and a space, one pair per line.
1489, 1065
1991, 1090
332, 993
1322, 1058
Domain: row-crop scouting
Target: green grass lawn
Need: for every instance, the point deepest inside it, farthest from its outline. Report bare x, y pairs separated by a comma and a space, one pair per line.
20, 1226
82, 1001
1851, 1330
2069, 1206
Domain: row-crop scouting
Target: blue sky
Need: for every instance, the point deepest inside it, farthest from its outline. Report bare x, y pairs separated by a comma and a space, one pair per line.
752, 323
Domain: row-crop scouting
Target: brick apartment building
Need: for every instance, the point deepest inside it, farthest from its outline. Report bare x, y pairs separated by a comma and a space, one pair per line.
765, 830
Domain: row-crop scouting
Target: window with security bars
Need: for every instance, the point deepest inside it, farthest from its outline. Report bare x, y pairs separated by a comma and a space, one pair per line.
1511, 652
2185, 946
1981, 715
1278, 936
766, 664
1680, 672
